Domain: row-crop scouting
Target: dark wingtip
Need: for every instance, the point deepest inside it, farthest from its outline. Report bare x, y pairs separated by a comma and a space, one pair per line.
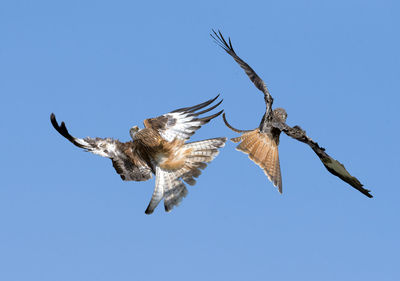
194, 108
215, 33
340, 171
220, 40
211, 108
148, 211
366, 192
207, 119
53, 120
62, 130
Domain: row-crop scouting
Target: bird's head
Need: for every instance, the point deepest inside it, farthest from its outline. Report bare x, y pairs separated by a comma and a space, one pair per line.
133, 131
280, 114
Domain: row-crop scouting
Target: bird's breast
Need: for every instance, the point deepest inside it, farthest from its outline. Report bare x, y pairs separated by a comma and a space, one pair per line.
173, 155
169, 155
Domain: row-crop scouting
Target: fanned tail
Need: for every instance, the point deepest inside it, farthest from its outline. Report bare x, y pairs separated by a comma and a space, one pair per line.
169, 183
202, 152
158, 193
263, 151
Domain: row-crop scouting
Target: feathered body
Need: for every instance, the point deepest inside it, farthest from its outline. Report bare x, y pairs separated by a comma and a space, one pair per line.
161, 149
261, 144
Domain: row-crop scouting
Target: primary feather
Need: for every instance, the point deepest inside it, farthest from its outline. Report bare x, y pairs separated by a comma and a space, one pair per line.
262, 145
159, 149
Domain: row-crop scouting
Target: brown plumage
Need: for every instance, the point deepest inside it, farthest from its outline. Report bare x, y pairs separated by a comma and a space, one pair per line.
262, 143
263, 151
161, 149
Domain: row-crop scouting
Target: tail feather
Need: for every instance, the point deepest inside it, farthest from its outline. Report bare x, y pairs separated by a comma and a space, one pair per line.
175, 191
257, 147
258, 155
263, 151
169, 183
247, 143
202, 152
158, 193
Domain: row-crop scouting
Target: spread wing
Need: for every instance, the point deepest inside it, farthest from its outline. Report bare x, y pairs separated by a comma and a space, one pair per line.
182, 123
257, 81
126, 157
333, 166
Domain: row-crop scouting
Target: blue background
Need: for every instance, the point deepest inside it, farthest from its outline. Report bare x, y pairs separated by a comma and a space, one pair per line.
104, 66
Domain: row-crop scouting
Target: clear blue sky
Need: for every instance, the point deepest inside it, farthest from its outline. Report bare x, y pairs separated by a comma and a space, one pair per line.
103, 66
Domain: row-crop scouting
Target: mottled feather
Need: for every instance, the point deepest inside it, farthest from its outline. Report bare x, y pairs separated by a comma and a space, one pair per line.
159, 148
182, 123
124, 156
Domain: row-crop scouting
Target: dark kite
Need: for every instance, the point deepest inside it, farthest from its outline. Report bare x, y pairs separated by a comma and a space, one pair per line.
261, 144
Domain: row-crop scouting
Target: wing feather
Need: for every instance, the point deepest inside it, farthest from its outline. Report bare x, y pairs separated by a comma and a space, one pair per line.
332, 165
257, 81
182, 123
125, 159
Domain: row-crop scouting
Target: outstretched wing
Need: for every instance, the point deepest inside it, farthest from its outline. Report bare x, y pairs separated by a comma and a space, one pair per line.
333, 166
182, 123
258, 82
126, 160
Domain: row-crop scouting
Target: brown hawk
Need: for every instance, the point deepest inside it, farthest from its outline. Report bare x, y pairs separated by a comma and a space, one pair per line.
261, 144
159, 149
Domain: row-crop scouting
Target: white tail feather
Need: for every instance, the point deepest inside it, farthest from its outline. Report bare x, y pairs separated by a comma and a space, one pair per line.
158, 192
169, 184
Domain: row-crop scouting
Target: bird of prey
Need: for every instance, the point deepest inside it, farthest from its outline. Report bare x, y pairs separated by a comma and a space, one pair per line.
159, 148
261, 144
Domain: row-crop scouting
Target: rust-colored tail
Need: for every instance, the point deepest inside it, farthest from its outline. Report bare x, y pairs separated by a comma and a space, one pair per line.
263, 151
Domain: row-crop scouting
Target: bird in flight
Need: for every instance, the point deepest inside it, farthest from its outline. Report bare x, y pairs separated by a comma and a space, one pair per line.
159, 148
261, 144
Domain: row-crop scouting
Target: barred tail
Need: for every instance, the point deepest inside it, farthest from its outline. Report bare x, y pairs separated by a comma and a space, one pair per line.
263, 151
169, 183
202, 152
